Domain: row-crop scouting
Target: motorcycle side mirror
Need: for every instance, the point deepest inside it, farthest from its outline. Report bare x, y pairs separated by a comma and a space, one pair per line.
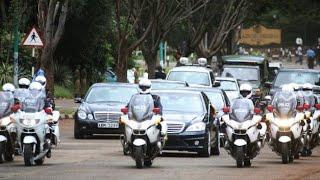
156, 110
226, 109
317, 106
306, 106
124, 110
78, 100
300, 108
270, 108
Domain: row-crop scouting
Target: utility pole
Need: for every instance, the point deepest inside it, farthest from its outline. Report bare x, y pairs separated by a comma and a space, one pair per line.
16, 43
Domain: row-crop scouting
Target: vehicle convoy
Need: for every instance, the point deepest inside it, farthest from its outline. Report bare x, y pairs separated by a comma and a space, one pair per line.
7, 128
193, 74
230, 86
98, 112
242, 124
34, 132
145, 130
247, 69
285, 125
191, 122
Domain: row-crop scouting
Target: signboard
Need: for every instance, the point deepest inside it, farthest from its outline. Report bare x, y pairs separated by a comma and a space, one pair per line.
260, 35
33, 39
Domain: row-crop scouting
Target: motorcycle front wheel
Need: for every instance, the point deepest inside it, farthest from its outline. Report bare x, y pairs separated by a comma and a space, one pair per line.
138, 156
2, 152
239, 156
285, 153
28, 154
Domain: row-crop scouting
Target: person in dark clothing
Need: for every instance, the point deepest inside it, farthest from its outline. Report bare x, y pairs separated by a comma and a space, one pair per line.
159, 74
145, 88
311, 56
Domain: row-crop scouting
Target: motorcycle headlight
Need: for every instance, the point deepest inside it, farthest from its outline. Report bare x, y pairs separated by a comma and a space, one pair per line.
29, 122
199, 126
82, 114
5, 121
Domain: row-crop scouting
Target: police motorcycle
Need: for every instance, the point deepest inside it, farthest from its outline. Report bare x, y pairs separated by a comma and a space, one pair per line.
7, 128
285, 125
242, 126
34, 134
145, 132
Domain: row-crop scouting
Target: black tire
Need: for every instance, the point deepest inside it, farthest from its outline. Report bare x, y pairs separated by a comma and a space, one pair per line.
215, 150
206, 151
28, 154
9, 154
2, 152
138, 156
147, 162
76, 131
247, 163
285, 153
239, 156
297, 156
39, 161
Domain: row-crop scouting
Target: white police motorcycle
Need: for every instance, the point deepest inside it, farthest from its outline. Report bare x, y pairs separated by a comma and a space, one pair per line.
33, 129
145, 131
285, 126
242, 127
7, 128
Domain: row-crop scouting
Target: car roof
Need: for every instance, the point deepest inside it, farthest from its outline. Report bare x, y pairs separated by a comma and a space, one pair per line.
236, 66
225, 79
299, 70
114, 84
166, 81
201, 88
243, 58
180, 90
191, 68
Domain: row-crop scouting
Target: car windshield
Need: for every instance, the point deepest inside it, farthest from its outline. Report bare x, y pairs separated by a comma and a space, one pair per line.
242, 73
216, 99
110, 94
228, 85
191, 77
166, 85
286, 77
181, 102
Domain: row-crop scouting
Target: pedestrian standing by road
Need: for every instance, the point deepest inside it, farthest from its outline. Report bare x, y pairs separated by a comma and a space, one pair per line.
318, 54
299, 54
311, 56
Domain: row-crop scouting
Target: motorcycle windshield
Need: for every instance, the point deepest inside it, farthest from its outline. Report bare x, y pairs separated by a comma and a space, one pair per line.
140, 107
6, 102
21, 94
34, 102
285, 104
309, 98
241, 110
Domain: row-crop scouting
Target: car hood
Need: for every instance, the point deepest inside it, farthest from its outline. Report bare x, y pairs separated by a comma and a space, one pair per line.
232, 94
105, 106
182, 116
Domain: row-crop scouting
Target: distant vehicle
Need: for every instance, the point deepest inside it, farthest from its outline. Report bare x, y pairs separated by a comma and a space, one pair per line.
230, 86
190, 120
99, 111
193, 75
274, 68
298, 76
110, 76
166, 84
247, 69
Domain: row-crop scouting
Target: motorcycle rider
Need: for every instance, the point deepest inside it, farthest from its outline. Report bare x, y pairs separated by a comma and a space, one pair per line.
246, 93
298, 92
307, 92
145, 88
8, 87
49, 97
22, 91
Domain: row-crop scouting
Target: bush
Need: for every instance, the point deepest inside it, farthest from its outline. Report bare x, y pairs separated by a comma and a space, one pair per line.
62, 75
62, 92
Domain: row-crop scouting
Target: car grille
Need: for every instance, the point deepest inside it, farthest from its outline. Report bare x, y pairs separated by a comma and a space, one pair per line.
107, 116
175, 127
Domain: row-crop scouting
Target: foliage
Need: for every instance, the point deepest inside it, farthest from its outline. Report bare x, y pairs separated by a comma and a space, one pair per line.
62, 92
6, 72
63, 75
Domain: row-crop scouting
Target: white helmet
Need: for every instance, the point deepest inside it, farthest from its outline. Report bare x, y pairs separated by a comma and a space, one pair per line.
145, 86
184, 60
287, 88
202, 61
307, 87
42, 80
246, 90
8, 87
24, 83
35, 86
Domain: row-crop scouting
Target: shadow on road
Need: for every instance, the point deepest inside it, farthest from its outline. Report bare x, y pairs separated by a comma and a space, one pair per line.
179, 155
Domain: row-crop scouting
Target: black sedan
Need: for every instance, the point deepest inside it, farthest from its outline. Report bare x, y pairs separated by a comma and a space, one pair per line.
99, 111
190, 120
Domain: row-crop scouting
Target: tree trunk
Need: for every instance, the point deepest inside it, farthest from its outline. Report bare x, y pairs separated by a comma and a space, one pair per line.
47, 64
122, 65
151, 60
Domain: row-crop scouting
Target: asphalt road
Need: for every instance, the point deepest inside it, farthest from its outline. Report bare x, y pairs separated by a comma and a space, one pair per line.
101, 158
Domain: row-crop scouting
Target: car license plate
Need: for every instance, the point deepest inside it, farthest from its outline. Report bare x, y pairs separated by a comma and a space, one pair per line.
108, 125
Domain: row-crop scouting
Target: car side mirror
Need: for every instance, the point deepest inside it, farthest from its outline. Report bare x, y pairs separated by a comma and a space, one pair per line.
216, 84
78, 100
268, 84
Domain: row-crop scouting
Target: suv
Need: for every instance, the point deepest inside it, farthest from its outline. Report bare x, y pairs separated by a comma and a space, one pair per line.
193, 75
246, 69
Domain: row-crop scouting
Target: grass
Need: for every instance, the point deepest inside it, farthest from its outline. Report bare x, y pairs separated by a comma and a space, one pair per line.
62, 92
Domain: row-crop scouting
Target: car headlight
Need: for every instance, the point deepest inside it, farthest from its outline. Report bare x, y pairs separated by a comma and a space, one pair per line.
82, 114
199, 126
5, 121
29, 122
